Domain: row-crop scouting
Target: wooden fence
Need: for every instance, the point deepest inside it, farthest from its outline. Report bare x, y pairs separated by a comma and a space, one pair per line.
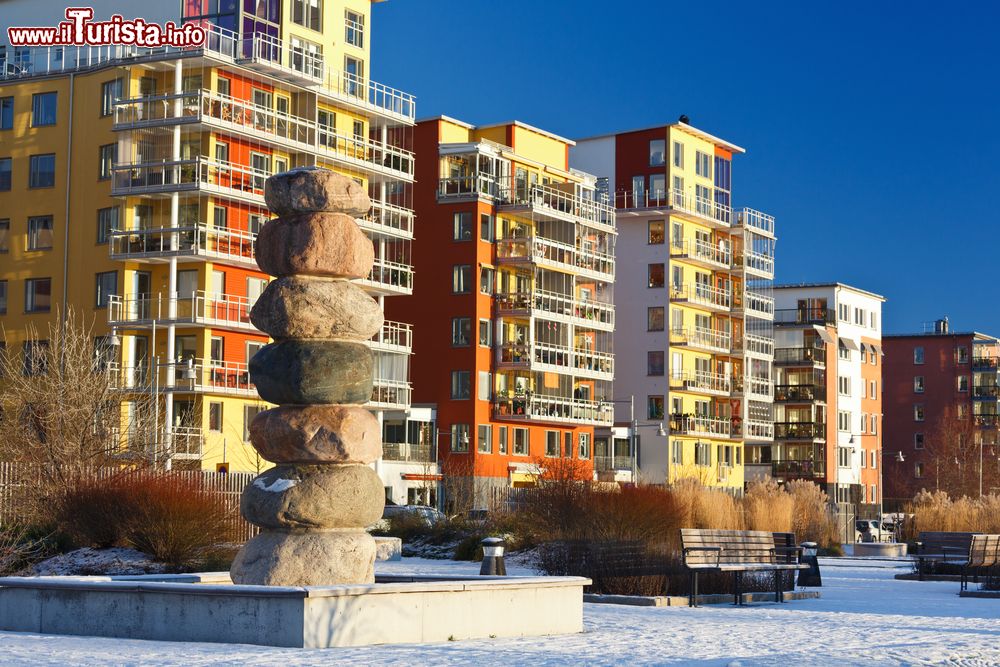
16, 477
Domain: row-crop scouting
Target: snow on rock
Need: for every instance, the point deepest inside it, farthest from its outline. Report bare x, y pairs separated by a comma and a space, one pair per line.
277, 486
89, 561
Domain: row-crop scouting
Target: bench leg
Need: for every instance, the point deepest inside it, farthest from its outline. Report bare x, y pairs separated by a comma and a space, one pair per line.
737, 588
920, 569
779, 596
693, 598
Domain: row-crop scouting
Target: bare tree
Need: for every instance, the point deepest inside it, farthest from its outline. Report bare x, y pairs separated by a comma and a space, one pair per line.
953, 452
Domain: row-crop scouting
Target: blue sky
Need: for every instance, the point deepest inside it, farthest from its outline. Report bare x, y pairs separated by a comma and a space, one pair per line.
871, 128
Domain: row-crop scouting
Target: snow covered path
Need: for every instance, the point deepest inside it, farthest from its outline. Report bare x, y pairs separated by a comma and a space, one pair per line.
864, 617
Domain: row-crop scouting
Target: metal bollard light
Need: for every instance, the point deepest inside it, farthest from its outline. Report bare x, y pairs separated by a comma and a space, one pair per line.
493, 564
810, 577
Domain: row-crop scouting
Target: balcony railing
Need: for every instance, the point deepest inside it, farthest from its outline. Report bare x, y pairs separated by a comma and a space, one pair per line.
721, 427
610, 463
799, 393
581, 361
989, 392
799, 430
800, 355
758, 430
760, 345
794, 469
702, 381
798, 316
985, 363
586, 312
554, 409
392, 277
677, 200
706, 339
704, 295
207, 308
986, 419
404, 451
758, 305
748, 218
198, 240
757, 262
543, 251
390, 394
546, 198
758, 388
385, 218
394, 336
198, 173
193, 375
716, 255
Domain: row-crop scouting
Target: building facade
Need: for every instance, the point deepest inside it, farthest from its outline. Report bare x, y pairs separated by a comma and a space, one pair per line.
513, 314
134, 193
693, 303
828, 392
942, 392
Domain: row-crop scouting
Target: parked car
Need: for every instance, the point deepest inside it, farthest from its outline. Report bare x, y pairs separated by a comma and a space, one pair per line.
867, 530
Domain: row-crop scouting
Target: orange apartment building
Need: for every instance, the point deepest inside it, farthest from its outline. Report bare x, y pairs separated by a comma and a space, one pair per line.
513, 313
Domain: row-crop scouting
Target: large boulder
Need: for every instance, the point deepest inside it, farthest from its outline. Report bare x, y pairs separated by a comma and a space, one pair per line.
307, 189
301, 307
325, 558
315, 244
309, 372
317, 434
314, 497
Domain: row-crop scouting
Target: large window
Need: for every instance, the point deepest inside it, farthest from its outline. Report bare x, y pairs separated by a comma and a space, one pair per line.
37, 295
552, 443
107, 161
654, 363
308, 13
654, 318
462, 226
249, 412
655, 232
702, 454
522, 441
918, 355
42, 171
111, 92
107, 284
678, 154
107, 222
654, 407
43, 109
657, 148
6, 113
6, 169
35, 357
40, 232
484, 441
485, 333
461, 280
461, 331
460, 438
584, 450
703, 164
354, 29
655, 275
461, 385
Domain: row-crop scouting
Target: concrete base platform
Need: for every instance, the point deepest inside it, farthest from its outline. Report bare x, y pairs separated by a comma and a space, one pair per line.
683, 601
980, 594
207, 608
883, 549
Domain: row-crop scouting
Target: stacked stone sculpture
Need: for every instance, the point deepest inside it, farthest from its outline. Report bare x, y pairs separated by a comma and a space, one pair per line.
313, 506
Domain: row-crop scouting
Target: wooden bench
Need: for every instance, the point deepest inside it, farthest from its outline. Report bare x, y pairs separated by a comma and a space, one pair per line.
941, 547
737, 551
984, 553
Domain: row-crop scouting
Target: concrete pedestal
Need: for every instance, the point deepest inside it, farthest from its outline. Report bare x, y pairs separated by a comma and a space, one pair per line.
881, 549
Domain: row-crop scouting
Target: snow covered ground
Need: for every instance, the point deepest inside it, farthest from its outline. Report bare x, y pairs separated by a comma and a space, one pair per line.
864, 617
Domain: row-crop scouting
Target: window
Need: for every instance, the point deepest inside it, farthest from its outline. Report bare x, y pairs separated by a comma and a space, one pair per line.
308, 13
487, 277
918, 440
873, 389
918, 355
484, 386
461, 385
3, 297
35, 358
654, 318
354, 29
220, 217
677, 452
460, 438
844, 421
962, 354
222, 152
918, 384
658, 186
568, 445
702, 454
107, 284
844, 385
111, 92
40, 232
306, 57
918, 470
107, 222
462, 226
874, 424
6, 169
215, 417
843, 352
844, 457
461, 279
657, 148
37, 295
864, 423
961, 413
962, 382
873, 356
918, 412
703, 164
864, 460
859, 317
522, 442
486, 222
655, 232
461, 331
502, 439
358, 127
42, 171
584, 451
655, 275
484, 441
485, 333
552, 443
355, 70
4, 235
43, 109
6, 113
873, 320
678, 154
106, 160
654, 407
654, 363
864, 389
874, 457
843, 312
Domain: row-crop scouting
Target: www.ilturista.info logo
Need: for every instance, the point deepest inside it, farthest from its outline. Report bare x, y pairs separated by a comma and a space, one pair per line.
79, 30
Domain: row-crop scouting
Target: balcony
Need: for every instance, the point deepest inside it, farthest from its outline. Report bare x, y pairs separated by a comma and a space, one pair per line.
675, 202
612, 463
755, 221
985, 364
718, 427
800, 356
554, 409
389, 277
705, 340
703, 253
186, 442
796, 469
756, 305
201, 174
559, 307
757, 345
223, 311
200, 241
556, 255
191, 376
756, 264
799, 393
394, 337
703, 382
986, 419
757, 389
799, 431
407, 453
986, 392
704, 296
550, 358
804, 316
551, 202
390, 394
388, 220
756, 430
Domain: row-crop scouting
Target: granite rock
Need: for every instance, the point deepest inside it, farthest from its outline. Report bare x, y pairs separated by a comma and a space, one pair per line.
324, 558
307, 189
301, 307
317, 434
309, 372
315, 244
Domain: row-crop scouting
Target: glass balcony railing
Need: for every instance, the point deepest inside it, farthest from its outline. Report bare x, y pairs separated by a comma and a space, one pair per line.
692, 204
702, 295
716, 255
803, 316
794, 469
722, 427
200, 307
585, 311
198, 240
701, 338
799, 393
557, 255
557, 409
407, 452
799, 430
791, 356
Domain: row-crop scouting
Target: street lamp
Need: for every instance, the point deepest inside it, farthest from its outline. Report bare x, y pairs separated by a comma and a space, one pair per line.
634, 427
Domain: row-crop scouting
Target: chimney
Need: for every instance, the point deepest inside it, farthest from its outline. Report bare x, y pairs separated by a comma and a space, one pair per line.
941, 326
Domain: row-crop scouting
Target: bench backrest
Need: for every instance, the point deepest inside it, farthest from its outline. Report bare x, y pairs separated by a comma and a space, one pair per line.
933, 541
984, 551
738, 546
784, 544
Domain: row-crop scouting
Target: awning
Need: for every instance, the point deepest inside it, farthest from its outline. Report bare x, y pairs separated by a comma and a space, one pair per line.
864, 349
877, 348
824, 334
849, 344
